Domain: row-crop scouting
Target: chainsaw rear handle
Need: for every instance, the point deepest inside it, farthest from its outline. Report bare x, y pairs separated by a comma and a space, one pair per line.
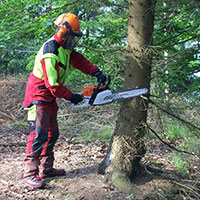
96, 90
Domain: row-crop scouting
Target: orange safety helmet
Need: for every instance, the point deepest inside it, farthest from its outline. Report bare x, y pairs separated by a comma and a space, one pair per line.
68, 27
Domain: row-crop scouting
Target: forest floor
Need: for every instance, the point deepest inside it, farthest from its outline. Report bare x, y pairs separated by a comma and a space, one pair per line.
80, 159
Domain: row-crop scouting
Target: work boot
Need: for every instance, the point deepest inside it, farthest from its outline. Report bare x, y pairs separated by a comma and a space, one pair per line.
53, 172
34, 181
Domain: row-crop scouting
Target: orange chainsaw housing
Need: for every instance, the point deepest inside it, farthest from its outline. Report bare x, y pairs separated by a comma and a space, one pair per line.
88, 90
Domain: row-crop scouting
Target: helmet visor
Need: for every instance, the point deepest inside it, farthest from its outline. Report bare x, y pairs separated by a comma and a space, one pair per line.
72, 40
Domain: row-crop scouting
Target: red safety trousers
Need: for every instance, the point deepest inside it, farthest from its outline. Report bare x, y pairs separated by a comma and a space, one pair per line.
44, 133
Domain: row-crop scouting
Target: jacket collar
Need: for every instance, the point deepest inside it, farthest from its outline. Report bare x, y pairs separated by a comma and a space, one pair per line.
60, 41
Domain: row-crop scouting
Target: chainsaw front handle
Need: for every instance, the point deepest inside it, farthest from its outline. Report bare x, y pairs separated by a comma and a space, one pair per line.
100, 82
96, 90
108, 81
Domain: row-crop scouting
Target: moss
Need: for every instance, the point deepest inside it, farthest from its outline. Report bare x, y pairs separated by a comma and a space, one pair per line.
122, 183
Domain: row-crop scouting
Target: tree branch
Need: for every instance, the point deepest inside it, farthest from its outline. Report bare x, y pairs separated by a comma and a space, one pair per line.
182, 42
67, 4
18, 50
102, 50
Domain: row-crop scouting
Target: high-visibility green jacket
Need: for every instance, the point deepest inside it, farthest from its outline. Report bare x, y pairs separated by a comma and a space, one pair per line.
52, 64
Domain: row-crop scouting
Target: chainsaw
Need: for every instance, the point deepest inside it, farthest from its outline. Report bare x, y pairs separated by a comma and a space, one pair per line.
94, 95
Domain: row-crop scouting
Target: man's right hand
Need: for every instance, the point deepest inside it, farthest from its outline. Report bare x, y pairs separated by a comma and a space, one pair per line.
100, 76
76, 98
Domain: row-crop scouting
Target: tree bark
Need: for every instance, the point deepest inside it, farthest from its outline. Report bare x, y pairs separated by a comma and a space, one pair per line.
127, 146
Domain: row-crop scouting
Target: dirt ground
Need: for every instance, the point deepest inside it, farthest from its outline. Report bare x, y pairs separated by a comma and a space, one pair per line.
159, 179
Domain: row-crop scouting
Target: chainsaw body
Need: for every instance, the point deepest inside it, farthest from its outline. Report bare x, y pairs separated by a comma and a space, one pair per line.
95, 95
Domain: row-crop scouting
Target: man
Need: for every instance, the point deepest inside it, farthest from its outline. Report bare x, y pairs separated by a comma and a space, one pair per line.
44, 85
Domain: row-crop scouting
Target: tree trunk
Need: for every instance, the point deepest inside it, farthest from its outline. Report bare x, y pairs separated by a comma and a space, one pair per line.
127, 146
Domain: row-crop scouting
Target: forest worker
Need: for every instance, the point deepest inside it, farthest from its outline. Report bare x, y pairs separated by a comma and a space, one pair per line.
44, 85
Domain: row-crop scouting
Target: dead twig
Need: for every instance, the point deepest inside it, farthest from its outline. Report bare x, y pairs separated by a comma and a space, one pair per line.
7, 116
188, 189
170, 146
175, 116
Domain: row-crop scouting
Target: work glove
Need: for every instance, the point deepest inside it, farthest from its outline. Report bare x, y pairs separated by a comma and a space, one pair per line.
76, 98
100, 76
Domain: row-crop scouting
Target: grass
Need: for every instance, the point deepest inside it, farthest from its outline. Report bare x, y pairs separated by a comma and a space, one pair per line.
69, 195
180, 164
91, 135
183, 139
176, 131
19, 125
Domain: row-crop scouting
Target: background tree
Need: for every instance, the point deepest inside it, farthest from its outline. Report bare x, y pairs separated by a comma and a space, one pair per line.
177, 34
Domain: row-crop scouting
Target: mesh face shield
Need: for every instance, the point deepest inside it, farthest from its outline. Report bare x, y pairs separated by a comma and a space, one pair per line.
72, 38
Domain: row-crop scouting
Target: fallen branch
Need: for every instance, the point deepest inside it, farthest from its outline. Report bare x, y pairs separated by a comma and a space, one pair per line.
175, 116
13, 144
6, 115
4, 182
191, 189
170, 146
